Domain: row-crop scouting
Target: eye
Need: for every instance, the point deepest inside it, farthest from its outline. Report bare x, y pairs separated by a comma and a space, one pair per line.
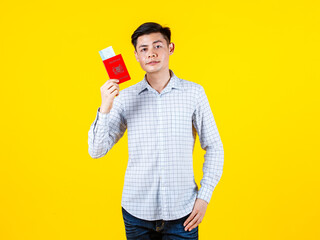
158, 46
143, 49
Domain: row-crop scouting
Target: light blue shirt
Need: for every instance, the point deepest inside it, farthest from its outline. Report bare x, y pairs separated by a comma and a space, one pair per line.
162, 127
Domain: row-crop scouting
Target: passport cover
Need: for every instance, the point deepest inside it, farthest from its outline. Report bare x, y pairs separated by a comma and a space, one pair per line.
116, 68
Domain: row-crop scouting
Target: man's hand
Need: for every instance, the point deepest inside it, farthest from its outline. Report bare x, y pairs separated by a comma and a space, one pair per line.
195, 218
108, 92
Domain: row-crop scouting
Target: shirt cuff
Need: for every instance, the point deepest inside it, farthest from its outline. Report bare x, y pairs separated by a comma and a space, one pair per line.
205, 194
102, 117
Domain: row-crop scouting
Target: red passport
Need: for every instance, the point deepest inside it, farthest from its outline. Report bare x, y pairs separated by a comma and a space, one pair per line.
116, 68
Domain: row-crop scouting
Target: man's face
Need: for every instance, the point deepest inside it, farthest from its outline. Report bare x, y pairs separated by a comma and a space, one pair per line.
153, 52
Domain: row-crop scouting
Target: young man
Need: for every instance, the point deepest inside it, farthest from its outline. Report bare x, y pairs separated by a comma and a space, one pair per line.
163, 115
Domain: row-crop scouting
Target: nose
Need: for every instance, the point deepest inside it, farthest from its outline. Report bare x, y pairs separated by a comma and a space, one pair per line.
151, 54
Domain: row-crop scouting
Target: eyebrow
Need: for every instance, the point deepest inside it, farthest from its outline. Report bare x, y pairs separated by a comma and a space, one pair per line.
152, 43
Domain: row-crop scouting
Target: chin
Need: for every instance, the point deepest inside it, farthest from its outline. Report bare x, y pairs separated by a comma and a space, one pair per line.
151, 69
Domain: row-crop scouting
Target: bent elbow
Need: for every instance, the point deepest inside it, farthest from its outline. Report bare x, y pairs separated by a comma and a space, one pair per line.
96, 155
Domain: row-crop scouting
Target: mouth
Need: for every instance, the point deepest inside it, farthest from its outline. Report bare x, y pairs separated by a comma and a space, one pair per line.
153, 62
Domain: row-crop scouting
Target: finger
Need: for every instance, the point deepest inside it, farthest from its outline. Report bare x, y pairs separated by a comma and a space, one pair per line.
110, 81
111, 89
195, 225
189, 218
116, 90
113, 80
114, 93
117, 86
112, 85
194, 220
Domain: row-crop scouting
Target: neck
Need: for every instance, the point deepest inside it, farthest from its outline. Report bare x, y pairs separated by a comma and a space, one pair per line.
158, 80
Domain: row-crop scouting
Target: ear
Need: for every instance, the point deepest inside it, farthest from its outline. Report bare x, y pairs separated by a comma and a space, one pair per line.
171, 48
136, 55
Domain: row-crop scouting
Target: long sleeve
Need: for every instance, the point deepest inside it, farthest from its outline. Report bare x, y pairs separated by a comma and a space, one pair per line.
210, 141
106, 130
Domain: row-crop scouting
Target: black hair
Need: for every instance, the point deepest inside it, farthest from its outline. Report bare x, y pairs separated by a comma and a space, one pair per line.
150, 27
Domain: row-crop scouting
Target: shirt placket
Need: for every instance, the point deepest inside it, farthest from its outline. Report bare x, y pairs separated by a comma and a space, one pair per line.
161, 157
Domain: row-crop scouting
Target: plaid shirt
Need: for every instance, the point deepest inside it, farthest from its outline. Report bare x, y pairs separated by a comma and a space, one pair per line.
162, 128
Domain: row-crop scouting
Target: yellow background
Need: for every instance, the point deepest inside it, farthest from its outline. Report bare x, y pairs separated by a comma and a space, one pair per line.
259, 64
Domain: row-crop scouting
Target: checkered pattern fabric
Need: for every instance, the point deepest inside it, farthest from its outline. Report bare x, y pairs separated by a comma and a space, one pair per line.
162, 128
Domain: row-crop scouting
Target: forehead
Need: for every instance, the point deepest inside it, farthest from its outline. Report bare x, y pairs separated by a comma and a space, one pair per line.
148, 39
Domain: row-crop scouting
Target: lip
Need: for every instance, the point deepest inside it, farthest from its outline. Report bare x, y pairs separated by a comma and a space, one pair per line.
153, 62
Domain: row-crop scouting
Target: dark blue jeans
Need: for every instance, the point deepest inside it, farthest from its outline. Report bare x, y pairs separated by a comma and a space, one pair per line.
139, 229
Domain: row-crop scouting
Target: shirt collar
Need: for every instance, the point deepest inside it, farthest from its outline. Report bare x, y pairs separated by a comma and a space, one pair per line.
174, 82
